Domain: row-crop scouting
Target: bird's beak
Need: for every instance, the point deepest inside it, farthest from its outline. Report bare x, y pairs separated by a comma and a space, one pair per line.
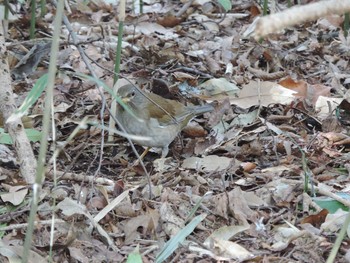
126, 100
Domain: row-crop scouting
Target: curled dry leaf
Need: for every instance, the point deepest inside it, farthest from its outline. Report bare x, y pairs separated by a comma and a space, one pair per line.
263, 93
298, 86
169, 21
182, 77
15, 195
219, 110
247, 167
219, 89
193, 129
172, 223
325, 105
317, 219
335, 221
147, 222
230, 250
148, 28
208, 163
335, 137
213, 65
225, 233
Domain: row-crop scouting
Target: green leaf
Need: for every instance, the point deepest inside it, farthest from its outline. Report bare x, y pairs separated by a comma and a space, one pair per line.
135, 256
5, 137
330, 204
2, 233
226, 4
32, 134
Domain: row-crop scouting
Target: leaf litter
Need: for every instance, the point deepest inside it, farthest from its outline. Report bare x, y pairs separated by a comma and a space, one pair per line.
281, 114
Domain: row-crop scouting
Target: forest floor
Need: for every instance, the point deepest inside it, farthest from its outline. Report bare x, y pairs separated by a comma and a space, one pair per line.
262, 178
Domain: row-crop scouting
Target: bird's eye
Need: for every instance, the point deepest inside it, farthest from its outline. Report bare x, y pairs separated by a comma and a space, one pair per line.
132, 94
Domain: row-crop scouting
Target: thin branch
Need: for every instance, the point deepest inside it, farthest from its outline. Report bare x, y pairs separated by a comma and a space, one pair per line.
298, 15
15, 128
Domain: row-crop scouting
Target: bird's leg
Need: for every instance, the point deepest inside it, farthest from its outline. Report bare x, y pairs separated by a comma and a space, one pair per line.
165, 151
142, 156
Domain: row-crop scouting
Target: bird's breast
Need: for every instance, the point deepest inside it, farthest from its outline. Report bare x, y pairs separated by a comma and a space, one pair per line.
156, 134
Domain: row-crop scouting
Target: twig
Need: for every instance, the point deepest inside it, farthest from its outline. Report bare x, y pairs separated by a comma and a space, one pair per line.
184, 8
191, 70
80, 177
25, 225
265, 75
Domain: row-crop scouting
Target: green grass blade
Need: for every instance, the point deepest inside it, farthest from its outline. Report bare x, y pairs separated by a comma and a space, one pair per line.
106, 88
32, 97
176, 240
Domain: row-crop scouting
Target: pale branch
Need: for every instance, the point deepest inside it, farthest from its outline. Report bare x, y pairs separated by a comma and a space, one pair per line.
299, 14
15, 128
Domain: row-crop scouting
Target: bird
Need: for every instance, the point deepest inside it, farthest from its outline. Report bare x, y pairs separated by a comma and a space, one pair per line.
155, 119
